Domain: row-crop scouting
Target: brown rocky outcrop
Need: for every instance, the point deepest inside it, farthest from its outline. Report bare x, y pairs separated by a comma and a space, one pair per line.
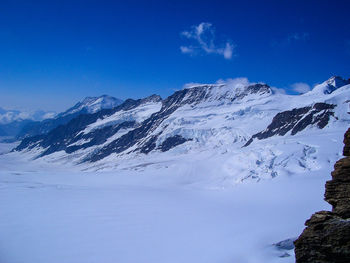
326, 238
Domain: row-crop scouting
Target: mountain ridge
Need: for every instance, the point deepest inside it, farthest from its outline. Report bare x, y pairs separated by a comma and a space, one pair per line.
199, 119
85, 106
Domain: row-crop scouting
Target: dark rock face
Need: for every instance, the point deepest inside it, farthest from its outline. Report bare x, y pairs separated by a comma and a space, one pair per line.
172, 142
42, 127
333, 83
326, 239
137, 136
346, 150
296, 120
338, 189
255, 89
98, 136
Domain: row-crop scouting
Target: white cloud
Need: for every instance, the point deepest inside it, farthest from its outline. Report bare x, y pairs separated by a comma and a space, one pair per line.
202, 37
235, 83
191, 84
186, 50
278, 90
301, 87
228, 50
291, 39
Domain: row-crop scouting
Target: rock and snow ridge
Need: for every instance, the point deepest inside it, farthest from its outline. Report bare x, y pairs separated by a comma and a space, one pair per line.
86, 106
330, 85
25, 123
87, 130
206, 125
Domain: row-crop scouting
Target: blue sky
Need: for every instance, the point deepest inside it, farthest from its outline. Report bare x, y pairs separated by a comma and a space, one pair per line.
54, 53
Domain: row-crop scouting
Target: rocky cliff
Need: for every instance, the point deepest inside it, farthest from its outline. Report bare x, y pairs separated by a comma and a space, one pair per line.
326, 237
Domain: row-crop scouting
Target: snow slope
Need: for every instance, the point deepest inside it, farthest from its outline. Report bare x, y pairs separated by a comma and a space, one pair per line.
51, 213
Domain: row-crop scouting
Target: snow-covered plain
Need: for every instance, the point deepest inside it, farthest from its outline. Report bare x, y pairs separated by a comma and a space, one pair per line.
190, 213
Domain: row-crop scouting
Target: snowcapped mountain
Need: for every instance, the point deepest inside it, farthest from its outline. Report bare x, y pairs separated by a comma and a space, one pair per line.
86, 106
92, 105
242, 130
330, 85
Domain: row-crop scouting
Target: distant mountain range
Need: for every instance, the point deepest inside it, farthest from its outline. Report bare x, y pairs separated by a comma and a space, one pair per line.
24, 124
12, 121
233, 121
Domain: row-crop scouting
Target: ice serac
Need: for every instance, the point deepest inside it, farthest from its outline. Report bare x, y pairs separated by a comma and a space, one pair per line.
326, 239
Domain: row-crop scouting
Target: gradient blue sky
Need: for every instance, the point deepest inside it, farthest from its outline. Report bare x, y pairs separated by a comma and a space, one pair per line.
54, 53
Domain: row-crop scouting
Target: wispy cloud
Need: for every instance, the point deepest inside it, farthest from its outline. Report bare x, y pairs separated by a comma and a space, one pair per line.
291, 39
202, 39
301, 87
192, 84
186, 50
278, 90
233, 83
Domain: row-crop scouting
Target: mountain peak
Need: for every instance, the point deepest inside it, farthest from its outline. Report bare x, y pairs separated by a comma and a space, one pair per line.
93, 104
152, 98
258, 88
225, 91
98, 97
330, 85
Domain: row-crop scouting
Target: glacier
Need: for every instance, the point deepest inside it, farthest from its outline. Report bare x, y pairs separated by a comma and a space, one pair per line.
174, 180
182, 213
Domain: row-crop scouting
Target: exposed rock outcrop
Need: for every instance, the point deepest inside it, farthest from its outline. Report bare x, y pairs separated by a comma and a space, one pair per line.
296, 120
326, 239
